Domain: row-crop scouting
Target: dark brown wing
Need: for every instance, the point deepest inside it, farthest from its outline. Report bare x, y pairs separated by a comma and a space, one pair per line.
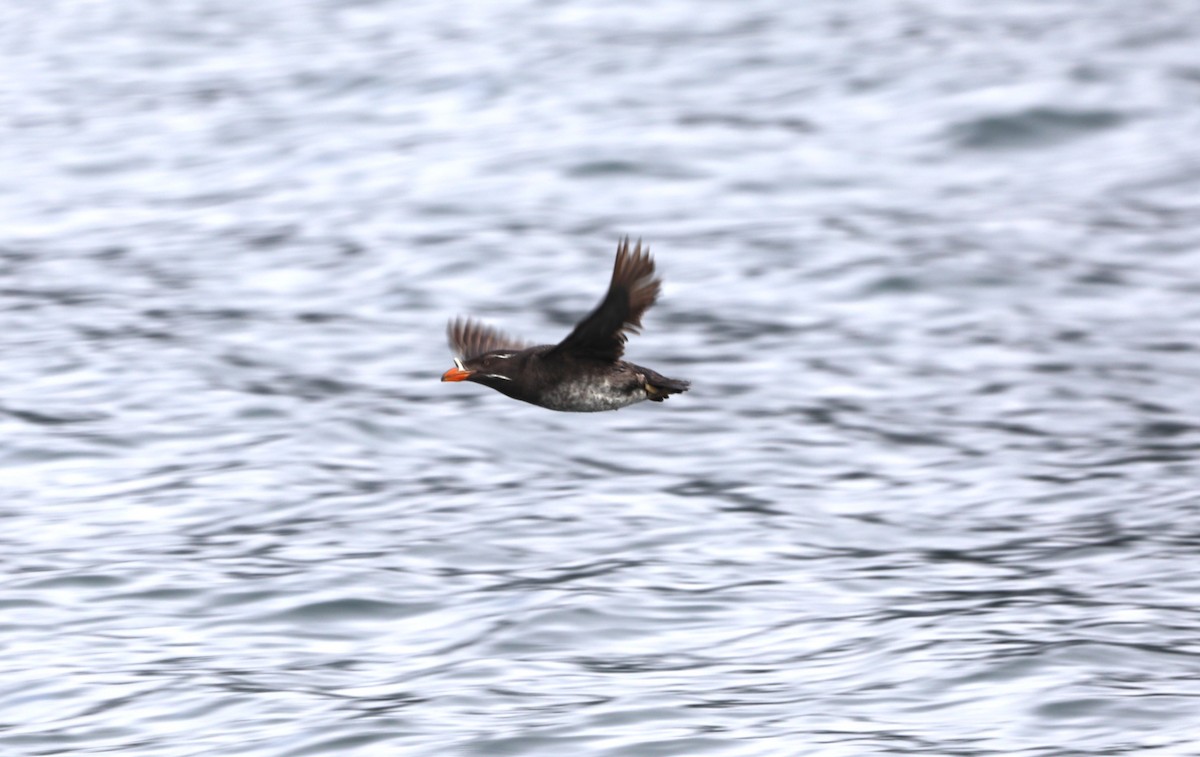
633, 289
470, 339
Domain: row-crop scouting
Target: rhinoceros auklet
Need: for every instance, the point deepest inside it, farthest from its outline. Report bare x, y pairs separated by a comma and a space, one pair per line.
583, 373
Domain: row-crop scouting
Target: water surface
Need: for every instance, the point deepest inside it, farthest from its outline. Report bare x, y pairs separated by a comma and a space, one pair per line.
931, 269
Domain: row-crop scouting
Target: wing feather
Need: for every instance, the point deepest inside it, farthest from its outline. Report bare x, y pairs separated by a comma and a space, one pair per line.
469, 339
633, 289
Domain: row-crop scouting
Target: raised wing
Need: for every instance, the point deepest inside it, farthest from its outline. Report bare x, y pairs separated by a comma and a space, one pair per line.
632, 290
469, 339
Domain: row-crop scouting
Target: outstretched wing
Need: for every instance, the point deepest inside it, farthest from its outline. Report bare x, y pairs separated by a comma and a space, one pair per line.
470, 339
633, 289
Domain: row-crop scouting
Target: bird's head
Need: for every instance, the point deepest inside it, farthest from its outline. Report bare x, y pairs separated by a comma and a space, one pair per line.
495, 369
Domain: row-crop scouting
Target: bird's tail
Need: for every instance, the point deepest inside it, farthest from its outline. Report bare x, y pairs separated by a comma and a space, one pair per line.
659, 387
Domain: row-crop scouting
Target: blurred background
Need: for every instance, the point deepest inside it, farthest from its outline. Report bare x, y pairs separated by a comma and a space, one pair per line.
932, 268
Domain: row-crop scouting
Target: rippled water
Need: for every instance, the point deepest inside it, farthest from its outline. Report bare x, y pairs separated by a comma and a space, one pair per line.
931, 267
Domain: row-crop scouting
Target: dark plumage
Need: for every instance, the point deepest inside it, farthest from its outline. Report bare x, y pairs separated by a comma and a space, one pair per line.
582, 373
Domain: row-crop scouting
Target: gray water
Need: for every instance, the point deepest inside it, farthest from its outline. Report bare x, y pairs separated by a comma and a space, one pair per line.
932, 267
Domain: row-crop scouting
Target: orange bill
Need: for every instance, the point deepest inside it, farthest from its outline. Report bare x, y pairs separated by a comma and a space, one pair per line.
456, 374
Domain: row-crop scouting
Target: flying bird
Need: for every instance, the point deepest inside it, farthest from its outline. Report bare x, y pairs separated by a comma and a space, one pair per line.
583, 373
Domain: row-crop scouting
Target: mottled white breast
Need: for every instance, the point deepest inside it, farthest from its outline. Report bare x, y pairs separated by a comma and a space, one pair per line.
590, 396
